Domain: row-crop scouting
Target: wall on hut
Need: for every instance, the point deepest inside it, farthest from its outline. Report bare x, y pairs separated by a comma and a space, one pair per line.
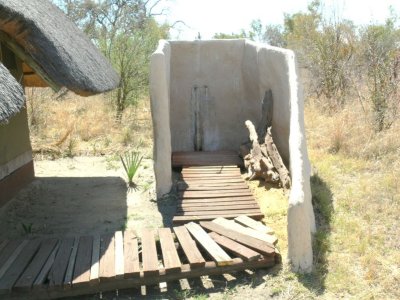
216, 86
16, 168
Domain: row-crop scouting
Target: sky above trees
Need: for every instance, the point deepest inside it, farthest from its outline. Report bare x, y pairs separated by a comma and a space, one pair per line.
230, 16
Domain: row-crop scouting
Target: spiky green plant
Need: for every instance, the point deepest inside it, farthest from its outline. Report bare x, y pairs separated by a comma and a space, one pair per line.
131, 162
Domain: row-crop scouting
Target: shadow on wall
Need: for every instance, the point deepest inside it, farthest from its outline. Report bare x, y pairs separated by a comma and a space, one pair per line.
323, 208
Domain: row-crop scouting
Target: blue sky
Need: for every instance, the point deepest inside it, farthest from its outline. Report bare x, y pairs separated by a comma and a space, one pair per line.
211, 16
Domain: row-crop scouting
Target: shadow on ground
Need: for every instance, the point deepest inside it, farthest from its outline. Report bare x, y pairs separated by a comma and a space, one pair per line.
323, 208
63, 206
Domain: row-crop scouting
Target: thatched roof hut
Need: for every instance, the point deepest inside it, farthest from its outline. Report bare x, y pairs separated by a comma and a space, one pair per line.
54, 48
11, 95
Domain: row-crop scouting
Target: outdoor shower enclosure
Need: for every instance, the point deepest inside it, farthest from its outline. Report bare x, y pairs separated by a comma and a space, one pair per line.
202, 92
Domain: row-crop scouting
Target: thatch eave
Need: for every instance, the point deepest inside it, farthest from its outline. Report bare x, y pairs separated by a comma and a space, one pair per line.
57, 46
12, 98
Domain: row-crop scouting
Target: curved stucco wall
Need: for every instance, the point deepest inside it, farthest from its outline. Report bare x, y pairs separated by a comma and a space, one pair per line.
229, 78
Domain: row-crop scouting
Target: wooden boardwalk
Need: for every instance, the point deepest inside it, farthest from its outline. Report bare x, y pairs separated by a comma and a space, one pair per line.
208, 192
54, 268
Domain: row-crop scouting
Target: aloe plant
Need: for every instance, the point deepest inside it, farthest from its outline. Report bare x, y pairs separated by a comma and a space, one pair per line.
131, 162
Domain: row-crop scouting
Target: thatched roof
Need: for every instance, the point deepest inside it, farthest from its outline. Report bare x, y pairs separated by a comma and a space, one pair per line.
11, 95
58, 47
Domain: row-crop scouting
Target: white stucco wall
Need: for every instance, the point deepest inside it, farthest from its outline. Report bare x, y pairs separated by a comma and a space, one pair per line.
231, 78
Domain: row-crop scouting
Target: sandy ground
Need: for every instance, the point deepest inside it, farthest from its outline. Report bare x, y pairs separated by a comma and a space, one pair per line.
84, 195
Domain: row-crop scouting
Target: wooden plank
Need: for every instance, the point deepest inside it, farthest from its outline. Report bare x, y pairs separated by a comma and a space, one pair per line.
28, 277
201, 168
213, 188
210, 177
71, 264
184, 219
216, 203
18, 266
215, 251
171, 259
119, 255
83, 261
59, 268
219, 212
10, 253
253, 243
197, 185
149, 253
212, 200
271, 239
189, 247
234, 247
42, 277
217, 207
214, 194
249, 222
212, 181
107, 257
131, 255
95, 268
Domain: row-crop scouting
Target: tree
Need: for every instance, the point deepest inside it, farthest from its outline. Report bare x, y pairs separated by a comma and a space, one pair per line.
127, 33
381, 53
326, 49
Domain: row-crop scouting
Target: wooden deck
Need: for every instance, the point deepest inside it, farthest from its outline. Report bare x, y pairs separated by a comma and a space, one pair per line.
208, 192
54, 268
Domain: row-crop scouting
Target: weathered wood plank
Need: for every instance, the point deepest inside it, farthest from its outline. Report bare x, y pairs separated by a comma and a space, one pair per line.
216, 203
270, 239
42, 277
149, 253
189, 247
119, 255
203, 158
249, 222
212, 248
234, 247
211, 181
95, 268
214, 194
219, 212
28, 277
253, 243
9, 254
213, 188
107, 257
232, 199
184, 219
171, 259
217, 207
83, 261
18, 266
59, 268
71, 264
131, 255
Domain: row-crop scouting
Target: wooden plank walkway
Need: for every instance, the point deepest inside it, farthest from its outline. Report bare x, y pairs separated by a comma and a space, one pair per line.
53, 268
208, 192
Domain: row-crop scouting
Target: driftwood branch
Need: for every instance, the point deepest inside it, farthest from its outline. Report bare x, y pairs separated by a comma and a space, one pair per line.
264, 161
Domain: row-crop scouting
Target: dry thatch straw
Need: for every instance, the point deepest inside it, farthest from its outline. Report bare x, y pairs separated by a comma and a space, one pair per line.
11, 95
63, 52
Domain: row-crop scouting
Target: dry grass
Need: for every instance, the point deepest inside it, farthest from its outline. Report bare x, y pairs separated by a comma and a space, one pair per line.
85, 126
